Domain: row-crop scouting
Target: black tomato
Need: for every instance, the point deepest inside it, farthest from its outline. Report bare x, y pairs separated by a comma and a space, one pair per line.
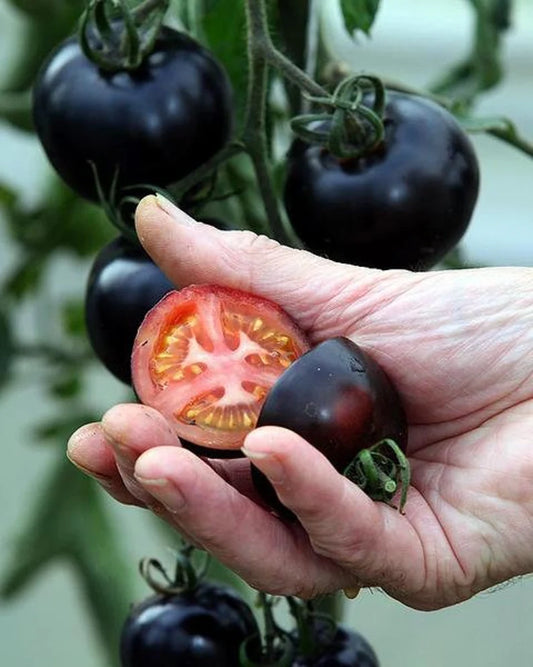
153, 124
346, 648
337, 398
124, 283
204, 627
403, 205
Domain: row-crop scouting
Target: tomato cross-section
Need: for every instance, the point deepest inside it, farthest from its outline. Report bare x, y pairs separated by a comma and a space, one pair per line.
206, 357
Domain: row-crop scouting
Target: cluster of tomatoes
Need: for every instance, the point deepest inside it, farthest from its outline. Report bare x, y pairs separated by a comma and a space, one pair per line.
218, 362
195, 623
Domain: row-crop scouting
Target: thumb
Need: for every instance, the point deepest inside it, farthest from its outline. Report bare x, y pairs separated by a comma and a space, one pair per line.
191, 252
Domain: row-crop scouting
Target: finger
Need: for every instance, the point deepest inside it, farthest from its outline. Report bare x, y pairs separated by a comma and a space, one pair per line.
190, 252
267, 553
89, 451
372, 540
129, 430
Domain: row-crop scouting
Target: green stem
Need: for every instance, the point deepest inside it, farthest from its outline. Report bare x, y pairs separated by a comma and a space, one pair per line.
270, 626
264, 48
205, 169
254, 134
513, 140
332, 605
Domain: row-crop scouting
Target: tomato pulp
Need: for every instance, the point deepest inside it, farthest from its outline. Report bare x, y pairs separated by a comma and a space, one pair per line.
206, 357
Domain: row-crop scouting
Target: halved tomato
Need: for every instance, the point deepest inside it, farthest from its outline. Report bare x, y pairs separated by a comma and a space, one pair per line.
206, 356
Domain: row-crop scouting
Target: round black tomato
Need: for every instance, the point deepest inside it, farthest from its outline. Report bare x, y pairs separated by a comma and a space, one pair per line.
339, 399
201, 628
153, 124
346, 648
403, 205
124, 283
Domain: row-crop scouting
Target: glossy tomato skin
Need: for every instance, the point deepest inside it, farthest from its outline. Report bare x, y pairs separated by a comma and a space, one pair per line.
205, 357
201, 628
337, 398
347, 648
405, 205
123, 285
156, 123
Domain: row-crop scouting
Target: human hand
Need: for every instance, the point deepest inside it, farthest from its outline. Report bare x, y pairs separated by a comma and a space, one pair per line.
458, 345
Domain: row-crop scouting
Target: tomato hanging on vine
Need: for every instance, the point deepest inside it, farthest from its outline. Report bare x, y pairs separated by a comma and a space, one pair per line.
151, 123
403, 202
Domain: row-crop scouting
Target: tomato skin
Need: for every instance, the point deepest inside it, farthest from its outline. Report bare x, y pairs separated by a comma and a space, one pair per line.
337, 398
123, 284
405, 205
205, 357
156, 123
200, 628
347, 648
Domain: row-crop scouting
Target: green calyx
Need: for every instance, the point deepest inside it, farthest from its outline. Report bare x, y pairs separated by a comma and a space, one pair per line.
349, 127
380, 470
186, 576
116, 37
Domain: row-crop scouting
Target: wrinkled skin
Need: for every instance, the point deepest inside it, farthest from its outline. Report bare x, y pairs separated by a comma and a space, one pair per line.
458, 347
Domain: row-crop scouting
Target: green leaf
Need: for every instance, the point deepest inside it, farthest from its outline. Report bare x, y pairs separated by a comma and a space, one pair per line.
15, 108
69, 521
67, 385
223, 24
359, 14
8, 196
60, 221
482, 69
61, 428
25, 278
73, 318
6, 347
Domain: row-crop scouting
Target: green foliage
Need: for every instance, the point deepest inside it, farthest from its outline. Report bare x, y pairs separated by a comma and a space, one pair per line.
482, 69
68, 521
359, 14
222, 26
6, 347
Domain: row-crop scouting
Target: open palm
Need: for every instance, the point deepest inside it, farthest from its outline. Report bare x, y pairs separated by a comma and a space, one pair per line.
458, 345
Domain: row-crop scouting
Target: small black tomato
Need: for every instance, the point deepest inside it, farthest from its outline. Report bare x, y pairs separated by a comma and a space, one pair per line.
153, 124
337, 398
347, 648
203, 627
124, 283
403, 205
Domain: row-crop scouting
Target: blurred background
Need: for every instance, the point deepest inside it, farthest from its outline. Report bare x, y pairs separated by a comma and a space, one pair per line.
48, 622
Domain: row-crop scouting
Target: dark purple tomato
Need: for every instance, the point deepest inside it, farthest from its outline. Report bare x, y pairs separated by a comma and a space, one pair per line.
155, 124
201, 628
346, 648
404, 205
337, 398
124, 283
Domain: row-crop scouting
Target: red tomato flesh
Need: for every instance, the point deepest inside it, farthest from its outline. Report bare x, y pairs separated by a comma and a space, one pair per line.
206, 356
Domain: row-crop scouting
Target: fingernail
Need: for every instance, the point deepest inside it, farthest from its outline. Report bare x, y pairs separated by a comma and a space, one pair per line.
173, 211
164, 491
101, 479
267, 463
352, 592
